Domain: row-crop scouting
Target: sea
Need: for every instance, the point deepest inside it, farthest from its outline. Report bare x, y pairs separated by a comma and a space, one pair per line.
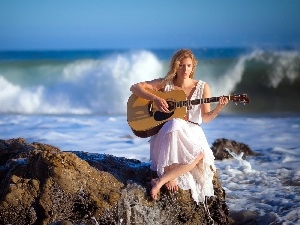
77, 101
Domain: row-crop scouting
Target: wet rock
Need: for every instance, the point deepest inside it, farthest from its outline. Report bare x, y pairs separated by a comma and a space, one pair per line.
42, 185
223, 148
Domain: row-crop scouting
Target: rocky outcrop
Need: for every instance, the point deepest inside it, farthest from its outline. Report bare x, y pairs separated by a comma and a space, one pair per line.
42, 185
224, 149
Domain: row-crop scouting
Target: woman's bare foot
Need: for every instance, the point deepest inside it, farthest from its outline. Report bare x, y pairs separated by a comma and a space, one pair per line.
155, 188
172, 186
200, 156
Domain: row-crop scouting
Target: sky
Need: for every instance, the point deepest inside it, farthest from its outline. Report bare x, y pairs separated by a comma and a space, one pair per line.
130, 24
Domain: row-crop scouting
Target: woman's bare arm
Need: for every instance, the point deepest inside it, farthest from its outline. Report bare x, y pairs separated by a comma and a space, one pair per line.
141, 90
207, 113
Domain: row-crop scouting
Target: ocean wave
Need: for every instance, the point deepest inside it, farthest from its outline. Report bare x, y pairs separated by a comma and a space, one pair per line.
90, 86
101, 85
272, 79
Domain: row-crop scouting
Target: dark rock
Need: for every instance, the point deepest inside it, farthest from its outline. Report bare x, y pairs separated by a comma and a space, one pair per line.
63, 222
42, 185
223, 149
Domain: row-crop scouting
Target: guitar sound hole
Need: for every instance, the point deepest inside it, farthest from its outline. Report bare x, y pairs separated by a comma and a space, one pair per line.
160, 116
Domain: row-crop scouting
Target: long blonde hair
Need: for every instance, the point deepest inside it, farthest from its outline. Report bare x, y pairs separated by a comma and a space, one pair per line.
175, 62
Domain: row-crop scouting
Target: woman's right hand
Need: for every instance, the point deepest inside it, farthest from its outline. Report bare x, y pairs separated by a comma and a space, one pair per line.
161, 104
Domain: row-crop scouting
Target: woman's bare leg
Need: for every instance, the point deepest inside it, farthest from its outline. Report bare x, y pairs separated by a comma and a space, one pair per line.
171, 174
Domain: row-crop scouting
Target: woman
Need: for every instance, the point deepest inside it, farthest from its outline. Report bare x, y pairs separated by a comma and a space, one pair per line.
179, 151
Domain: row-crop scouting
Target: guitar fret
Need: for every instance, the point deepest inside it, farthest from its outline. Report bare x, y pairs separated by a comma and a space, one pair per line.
196, 101
214, 99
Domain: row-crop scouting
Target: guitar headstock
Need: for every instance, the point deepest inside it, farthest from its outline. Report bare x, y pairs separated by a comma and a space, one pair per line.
242, 98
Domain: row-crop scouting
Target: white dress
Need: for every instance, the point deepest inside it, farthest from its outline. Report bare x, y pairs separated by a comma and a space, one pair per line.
179, 141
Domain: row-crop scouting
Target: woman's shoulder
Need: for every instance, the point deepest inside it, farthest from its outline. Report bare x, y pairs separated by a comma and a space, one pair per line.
201, 83
203, 86
206, 85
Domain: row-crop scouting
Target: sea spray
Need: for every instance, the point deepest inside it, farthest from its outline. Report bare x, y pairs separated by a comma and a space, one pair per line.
245, 165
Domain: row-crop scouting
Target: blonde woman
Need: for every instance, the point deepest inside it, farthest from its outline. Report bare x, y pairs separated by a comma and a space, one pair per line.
179, 152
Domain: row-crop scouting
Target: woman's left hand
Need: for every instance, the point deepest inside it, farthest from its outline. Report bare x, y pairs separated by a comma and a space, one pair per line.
223, 101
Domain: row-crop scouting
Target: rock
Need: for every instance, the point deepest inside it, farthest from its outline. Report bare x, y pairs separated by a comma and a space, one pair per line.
223, 148
42, 185
63, 222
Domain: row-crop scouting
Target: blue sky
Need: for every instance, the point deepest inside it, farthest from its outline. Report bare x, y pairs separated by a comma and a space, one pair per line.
97, 24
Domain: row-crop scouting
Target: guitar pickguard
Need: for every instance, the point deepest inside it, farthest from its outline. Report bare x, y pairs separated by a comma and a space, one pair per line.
160, 116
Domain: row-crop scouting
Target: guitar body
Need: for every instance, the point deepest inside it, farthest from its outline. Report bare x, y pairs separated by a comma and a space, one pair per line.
143, 116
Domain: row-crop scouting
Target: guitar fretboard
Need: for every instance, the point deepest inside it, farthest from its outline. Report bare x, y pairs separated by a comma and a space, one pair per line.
196, 102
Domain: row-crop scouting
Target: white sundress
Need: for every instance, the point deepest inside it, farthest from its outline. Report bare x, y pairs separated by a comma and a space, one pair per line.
179, 141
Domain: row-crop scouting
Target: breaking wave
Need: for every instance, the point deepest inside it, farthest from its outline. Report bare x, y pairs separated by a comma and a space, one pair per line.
101, 85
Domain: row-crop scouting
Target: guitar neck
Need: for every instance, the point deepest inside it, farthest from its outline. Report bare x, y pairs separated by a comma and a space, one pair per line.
198, 101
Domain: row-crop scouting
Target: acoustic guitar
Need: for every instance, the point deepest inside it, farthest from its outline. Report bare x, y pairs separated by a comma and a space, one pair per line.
145, 119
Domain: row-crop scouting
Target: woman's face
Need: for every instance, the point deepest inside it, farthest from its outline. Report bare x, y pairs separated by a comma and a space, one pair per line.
185, 68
